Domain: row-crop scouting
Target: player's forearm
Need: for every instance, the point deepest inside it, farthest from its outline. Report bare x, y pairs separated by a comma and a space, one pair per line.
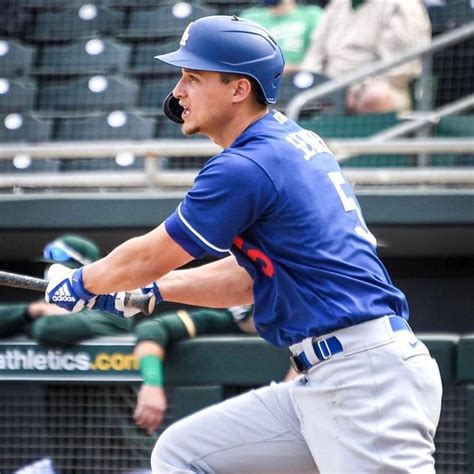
135, 263
218, 284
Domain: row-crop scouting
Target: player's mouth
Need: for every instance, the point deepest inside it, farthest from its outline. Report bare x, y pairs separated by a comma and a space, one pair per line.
185, 113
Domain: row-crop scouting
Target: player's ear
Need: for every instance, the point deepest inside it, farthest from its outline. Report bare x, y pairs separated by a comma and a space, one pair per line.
242, 89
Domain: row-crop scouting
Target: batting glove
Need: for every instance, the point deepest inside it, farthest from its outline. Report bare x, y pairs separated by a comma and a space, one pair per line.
66, 289
114, 303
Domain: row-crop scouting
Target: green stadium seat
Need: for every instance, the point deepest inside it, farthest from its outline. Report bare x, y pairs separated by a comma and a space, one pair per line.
16, 59
24, 128
16, 95
349, 126
117, 125
454, 126
297, 82
86, 21
357, 126
100, 93
165, 21
92, 56
143, 62
154, 91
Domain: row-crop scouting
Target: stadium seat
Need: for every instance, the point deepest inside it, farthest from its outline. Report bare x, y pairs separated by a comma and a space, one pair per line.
92, 56
117, 125
74, 23
358, 126
143, 62
16, 59
16, 95
24, 128
48, 4
91, 93
154, 91
24, 164
297, 82
20, 128
135, 4
454, 126
165, 21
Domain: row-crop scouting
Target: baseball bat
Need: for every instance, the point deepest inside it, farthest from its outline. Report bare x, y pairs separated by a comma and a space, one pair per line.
144, 303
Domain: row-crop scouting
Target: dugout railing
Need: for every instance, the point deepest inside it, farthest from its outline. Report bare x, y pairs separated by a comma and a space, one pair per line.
75, 405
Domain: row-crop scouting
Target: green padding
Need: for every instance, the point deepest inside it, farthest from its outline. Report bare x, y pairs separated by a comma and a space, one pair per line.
466, 359
443, 348
225, 360
188, 400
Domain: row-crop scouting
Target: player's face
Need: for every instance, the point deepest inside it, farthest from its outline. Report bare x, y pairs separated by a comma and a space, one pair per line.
206, 100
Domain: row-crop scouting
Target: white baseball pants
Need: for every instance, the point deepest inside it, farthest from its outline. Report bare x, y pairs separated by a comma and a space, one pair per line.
372, 409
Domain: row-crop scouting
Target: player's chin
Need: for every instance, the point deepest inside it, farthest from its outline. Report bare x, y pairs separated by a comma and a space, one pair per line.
189, 129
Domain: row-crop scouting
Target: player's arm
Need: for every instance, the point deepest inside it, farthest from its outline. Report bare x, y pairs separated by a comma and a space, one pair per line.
135, 263
219, 284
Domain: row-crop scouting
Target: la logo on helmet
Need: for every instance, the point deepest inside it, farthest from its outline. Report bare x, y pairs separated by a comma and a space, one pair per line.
185, 36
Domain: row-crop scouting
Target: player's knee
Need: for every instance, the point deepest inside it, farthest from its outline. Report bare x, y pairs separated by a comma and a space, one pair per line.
168, 452
152, 330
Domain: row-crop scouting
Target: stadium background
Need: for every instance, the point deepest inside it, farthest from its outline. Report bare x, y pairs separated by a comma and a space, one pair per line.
77, 79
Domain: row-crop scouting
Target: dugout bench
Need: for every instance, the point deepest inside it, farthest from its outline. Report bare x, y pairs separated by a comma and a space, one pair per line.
75, 405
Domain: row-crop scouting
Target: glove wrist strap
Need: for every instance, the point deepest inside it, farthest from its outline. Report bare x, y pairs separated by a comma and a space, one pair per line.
157, 293
78, 285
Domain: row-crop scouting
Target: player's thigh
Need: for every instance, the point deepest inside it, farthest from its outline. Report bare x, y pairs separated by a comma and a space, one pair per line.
257, 432
373, 411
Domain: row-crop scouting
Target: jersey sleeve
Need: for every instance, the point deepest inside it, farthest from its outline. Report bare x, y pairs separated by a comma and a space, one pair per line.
229, 194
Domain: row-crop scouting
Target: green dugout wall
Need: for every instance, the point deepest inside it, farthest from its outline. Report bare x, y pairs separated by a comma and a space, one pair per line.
75, 405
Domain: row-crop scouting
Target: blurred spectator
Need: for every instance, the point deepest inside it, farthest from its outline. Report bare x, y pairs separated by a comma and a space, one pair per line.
290, 24
353, 33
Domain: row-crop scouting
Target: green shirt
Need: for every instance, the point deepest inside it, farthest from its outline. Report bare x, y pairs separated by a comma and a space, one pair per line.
292, 31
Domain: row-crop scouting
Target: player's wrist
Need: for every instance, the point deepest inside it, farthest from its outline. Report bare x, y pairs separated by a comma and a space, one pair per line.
78, 286
151, 368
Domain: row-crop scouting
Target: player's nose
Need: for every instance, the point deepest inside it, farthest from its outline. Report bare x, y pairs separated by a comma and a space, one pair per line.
179, 90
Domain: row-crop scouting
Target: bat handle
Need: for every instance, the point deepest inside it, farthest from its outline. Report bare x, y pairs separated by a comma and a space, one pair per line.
145, 303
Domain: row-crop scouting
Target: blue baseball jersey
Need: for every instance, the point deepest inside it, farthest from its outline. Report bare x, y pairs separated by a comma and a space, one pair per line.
277, 200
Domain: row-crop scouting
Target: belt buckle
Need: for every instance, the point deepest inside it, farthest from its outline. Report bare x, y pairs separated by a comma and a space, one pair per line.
296, 364
323, 343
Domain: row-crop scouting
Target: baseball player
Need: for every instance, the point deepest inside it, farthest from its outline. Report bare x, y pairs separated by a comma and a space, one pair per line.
369, 396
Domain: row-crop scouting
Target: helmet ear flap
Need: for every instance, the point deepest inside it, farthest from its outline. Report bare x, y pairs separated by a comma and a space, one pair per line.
172, 109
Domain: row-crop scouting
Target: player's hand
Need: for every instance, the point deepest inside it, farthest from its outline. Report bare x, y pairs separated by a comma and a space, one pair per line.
114, 302
151, 407
66, 289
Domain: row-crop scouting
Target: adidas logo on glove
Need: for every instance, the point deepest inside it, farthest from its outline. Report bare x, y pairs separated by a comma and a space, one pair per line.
69, 299
64, 295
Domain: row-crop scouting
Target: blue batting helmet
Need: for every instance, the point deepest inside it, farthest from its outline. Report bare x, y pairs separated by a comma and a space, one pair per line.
227, 44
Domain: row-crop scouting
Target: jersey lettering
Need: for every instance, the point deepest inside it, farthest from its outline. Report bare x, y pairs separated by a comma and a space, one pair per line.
256, 255
349, 205
308, 142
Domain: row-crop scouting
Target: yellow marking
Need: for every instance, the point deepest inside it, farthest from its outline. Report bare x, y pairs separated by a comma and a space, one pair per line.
187, 321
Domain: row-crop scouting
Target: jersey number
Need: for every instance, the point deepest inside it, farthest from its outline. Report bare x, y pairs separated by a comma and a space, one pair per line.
350, 204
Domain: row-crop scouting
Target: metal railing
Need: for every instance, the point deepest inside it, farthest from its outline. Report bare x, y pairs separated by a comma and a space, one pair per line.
153, 175
440, 42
